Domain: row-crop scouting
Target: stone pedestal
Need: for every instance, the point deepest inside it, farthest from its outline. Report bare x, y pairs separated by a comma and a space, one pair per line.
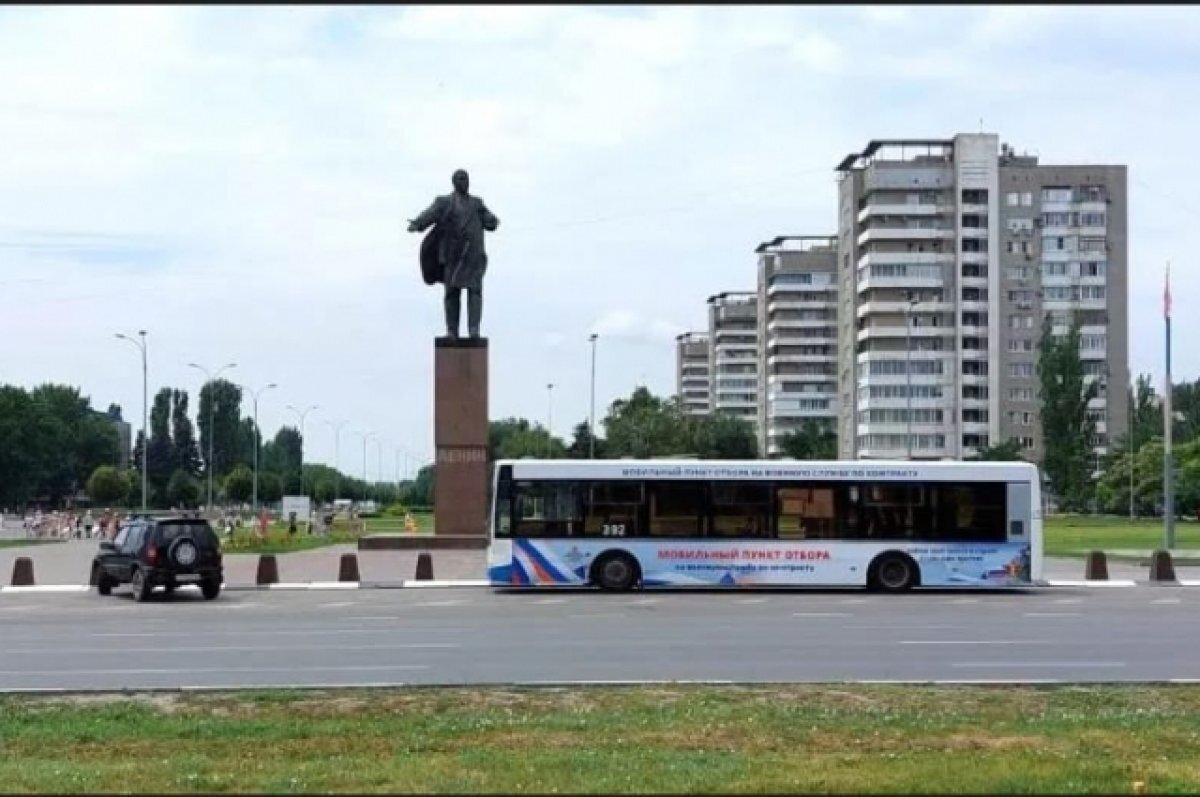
460, 436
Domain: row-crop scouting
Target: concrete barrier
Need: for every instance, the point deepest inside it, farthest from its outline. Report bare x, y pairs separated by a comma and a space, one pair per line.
424, 567
268, 570
22, 575
1161, 566
348, 568
1096, 568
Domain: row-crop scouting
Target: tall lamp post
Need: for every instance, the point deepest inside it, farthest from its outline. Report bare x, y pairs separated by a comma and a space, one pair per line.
549, 418
302, 415
592, 411
908, 310
212, 403
257, 438
141, 344
337, 453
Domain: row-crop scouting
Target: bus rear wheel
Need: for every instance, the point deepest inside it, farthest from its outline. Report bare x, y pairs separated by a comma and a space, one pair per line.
615, 572
893, 572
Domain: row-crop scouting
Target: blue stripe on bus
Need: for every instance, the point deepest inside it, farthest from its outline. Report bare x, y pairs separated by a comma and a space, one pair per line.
540, 559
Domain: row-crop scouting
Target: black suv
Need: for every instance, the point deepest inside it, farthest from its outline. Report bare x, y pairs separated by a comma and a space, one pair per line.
161, 552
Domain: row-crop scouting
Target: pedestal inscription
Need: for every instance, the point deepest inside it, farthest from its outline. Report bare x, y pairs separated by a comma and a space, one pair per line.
460, 419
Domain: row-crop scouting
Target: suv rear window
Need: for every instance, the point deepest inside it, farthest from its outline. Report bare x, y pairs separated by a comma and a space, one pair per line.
200, 531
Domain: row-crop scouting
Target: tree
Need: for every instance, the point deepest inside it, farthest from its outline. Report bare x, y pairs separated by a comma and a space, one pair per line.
515, 438
1185, 405
161, 462
421, 491
108, 486
813, 440
1147, 411
282, 455
581, 443
183, 436
270, 488
720, 436
246, 438
183, 490
324, 490
239, 485
70, 440
220, 405
644, 426
1066, 428
20, 456
114, 412
1008, 451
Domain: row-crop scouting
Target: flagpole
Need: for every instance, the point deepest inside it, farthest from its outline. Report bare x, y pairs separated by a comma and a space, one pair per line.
1168, 469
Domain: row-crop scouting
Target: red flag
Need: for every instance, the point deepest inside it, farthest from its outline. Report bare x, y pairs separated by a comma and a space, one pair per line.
1167, 295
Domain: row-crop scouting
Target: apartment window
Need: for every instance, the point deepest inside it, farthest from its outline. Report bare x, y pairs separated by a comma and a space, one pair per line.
1064, 293
1020, 394
1095, 416
1027, 199
1010, 247
1054, 269
1091, 193
1020, 296
1016, 273
1020, 345
1091, 219
1092, 245
1020, 322
1093, 269
1093, 292
1056, 194
1025, 247
1012, 199
1056, 219
1026, 442
1020, 419
1020, 225
1020, 370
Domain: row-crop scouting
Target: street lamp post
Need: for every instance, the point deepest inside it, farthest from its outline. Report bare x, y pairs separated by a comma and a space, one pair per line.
908, 310
303, 415
211, 404
337, 453
549, 418
257, 439
592, 410
145, 407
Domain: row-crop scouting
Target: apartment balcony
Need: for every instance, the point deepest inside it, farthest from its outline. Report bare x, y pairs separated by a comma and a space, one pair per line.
900, 307
802, 379
974, 379
800, 323
734, 404
975, 232
976, 427
975, 354
869, 283
975, 258
916, 355
892, 332
787, 303
798, 414
944, 380
777, 359
975, 305
905, 234
945, 403
731, 347
903, 258
904, 209
971, 208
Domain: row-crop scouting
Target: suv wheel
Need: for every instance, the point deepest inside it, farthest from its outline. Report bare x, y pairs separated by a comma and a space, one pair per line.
210, 588
141, 586
104, 583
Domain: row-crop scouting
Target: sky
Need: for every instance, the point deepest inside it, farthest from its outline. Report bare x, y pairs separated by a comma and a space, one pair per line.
237, 182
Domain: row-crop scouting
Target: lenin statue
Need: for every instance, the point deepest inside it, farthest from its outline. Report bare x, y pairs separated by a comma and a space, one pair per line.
453, 252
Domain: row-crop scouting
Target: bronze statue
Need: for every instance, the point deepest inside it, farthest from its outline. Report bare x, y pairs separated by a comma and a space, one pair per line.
453, 252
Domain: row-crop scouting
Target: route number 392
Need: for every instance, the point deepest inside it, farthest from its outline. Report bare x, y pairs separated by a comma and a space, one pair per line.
613, 530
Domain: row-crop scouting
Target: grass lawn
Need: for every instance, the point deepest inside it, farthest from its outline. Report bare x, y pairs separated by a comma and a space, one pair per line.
1075, 535
246, 539
782, 739
22, 541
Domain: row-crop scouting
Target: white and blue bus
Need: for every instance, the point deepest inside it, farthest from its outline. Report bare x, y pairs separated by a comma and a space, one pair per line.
891, 526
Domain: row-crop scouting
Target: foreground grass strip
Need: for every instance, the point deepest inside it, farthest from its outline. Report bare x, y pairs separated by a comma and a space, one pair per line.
618, 740
1076, 535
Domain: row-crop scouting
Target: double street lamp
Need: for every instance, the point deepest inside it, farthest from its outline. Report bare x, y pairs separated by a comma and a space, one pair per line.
337, 453
592, 412
141, 344
302, 415
211, 404
257, 439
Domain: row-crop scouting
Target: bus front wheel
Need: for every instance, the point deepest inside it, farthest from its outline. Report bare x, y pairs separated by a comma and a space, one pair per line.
615, 572
893, 572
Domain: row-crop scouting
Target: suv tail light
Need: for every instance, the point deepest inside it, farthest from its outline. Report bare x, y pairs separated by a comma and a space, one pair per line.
152, 554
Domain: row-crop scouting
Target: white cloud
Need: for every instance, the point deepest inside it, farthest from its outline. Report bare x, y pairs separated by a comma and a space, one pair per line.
253, 168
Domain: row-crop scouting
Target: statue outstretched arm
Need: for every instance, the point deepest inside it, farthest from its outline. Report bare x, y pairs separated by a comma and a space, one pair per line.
427, 217
490, 222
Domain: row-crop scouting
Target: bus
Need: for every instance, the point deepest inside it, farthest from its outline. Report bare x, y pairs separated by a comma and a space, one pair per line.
887, 526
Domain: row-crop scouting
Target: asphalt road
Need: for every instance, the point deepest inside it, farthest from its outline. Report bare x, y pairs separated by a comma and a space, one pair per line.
470, 636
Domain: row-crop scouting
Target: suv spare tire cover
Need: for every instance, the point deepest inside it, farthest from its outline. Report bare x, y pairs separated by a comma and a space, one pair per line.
184, 552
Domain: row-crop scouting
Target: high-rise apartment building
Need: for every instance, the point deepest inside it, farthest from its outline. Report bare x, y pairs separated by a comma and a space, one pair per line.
950, 252
733, 354
797, 326
691, 372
